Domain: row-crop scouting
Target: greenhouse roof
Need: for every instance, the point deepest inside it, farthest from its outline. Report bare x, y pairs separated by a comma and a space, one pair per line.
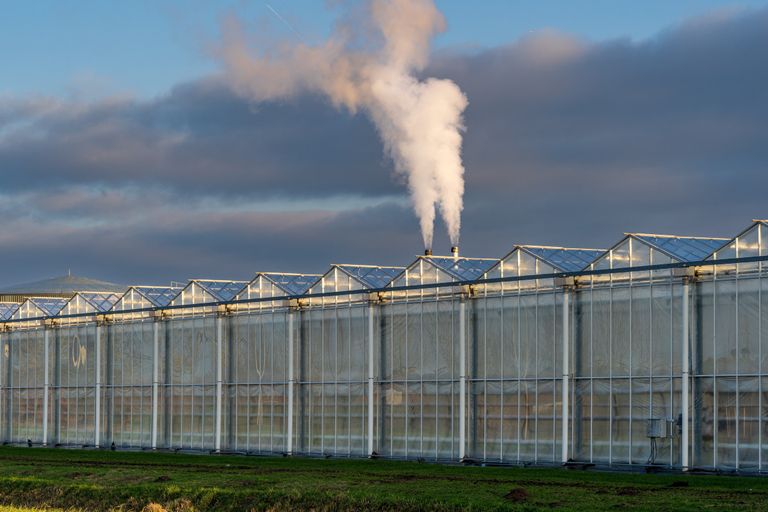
293, 284
563, 258
371, 276
682, 248
101, 301
7, 309
463, 269
49, 305
158, 295
221, 290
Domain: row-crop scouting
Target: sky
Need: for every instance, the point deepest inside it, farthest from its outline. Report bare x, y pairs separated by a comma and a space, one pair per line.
145, 47
124, 158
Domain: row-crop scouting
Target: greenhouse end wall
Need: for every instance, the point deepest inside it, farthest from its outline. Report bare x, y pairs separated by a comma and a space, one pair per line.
443, 373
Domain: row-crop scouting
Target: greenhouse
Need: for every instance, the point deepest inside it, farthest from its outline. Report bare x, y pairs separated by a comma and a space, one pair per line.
652, 353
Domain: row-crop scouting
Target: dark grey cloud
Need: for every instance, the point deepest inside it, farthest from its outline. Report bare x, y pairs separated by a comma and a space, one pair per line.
198, 138
568, 142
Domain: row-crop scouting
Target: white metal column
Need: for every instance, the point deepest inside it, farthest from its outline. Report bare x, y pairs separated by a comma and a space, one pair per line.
462, 379
155, 379
685, 462
46, 385
97, 415
219, 379
291, 380
371, 374
566, 372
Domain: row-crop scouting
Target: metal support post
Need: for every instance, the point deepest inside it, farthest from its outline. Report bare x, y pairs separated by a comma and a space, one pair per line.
97, 415
685, 462
46, 384
566, 372
8, 347
371, 374
291, 381
462, 378
155, 379
219, 381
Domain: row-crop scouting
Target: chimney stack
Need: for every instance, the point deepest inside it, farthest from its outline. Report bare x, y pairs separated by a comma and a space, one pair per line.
455, 252
427, 252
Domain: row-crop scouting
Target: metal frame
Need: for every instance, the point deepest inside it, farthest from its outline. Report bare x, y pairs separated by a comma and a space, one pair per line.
351, 413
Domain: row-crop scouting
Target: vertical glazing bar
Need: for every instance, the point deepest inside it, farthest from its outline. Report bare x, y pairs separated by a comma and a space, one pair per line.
462, 378
57, 385
8, 386
155, 378
291, 380
566, 373
760, 352
97, 415
684, 462
219, 376
46, 384
371, 409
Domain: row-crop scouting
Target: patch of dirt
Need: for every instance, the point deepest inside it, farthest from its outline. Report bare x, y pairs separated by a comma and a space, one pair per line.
163, 478
679, 483
628, 491
551, 483
518, 495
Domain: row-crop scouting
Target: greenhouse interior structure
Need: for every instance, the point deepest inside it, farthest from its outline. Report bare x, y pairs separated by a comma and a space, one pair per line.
653, 353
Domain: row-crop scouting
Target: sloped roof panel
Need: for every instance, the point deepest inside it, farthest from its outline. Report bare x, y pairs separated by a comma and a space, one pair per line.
158, 295
292, 284
7, 309
372, 277
49, 306
683, 248
463, 269
563, 258
101, 302
222, 290
749, 242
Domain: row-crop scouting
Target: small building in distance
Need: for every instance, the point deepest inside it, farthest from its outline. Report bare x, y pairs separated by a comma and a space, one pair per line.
65, 286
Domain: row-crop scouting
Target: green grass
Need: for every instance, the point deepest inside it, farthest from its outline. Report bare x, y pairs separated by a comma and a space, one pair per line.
27, 509
125, 481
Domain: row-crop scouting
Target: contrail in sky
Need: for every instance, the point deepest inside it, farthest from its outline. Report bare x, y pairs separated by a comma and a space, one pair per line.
285, 22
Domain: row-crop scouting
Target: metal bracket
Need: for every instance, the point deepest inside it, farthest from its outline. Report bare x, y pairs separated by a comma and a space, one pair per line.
103, 319
297, 303
687, 274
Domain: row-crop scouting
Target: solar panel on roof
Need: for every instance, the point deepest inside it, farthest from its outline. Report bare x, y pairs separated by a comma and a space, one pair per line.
683, 248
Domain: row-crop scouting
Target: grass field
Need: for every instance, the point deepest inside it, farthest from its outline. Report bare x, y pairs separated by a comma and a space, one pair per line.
97, 480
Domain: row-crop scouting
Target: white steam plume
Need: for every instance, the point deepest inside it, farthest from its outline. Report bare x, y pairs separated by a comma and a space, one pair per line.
369, 63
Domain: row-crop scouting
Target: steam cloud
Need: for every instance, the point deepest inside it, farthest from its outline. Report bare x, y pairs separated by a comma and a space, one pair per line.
369, 63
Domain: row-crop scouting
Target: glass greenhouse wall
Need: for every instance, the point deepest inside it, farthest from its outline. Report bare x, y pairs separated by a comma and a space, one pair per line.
650, 353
